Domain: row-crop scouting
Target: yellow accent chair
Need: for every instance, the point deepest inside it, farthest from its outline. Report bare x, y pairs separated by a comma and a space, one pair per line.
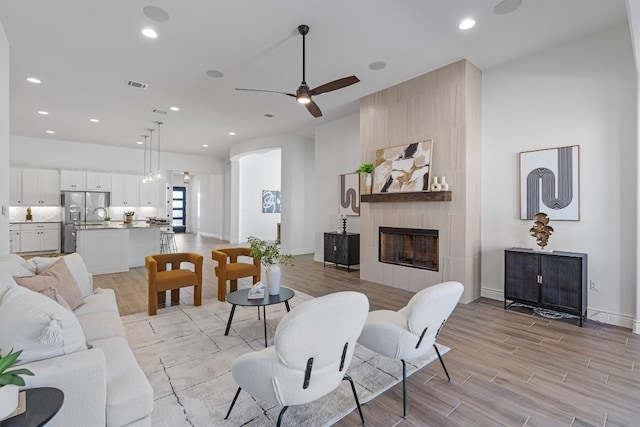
162, 279
230, 269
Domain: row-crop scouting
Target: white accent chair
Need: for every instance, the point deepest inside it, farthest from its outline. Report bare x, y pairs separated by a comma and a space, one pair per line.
410, 332
312, 350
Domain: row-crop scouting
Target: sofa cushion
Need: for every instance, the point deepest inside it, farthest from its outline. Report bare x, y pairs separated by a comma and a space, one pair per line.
101, 325
74, 262
15, 269
99, 301
58, 276
38, 325
129, 394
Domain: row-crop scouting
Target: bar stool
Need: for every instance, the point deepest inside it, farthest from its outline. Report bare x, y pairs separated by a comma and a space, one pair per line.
168, 242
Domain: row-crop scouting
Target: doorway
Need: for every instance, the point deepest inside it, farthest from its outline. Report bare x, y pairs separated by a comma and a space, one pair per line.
179, 208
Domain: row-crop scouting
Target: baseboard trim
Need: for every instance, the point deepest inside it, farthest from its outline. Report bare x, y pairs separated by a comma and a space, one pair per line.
214, 236
492, 293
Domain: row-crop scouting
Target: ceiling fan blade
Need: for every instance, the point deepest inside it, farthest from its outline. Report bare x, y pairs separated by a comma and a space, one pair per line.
334, 85
269, 91
313, 109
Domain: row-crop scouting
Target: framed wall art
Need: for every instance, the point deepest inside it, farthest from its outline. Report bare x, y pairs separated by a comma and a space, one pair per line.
271, 201
405, 168
550, 183
349, 191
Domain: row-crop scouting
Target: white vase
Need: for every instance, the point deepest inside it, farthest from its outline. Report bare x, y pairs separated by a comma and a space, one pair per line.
8, 400
273, 279
435, 186
367, 183
443, 184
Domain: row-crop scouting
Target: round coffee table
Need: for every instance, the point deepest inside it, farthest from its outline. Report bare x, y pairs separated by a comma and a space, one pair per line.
42, 404
240, 297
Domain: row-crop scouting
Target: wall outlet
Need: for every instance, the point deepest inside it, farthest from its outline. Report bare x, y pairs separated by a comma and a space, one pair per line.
594, 285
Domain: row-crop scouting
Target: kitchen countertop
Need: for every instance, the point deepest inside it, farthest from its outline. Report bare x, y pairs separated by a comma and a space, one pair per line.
35, 222
119, 225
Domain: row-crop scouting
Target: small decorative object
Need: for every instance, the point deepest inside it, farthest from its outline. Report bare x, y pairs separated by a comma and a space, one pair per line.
435, 186
367, 169
128, 216
107, 220
10, 381
443, 184
343, 224
540, 230
29, 217
270, 256
256, 291
349, 193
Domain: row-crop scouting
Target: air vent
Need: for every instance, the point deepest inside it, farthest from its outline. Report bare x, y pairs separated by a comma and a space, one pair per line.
138, 85
155, 110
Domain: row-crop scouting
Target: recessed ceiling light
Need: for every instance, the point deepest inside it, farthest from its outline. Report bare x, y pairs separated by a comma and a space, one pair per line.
466, 24
377, 65
506, 6
174, 108
155, 13
94, 120
50, 131
148, 32
33, 80
215, 74
205, 145
232, 133
139, 142
44, 113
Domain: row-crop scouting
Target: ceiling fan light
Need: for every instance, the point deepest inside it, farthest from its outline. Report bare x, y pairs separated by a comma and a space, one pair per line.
303, 99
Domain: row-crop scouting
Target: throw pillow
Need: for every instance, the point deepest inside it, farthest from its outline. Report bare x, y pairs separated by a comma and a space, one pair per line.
37, 325
57, 276
76, 266
16, 270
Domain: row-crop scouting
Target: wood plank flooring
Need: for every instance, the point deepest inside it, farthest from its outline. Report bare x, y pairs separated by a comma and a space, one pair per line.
507, 367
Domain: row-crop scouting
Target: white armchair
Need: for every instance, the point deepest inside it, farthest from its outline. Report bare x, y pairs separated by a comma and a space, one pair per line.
312, 350
410, 332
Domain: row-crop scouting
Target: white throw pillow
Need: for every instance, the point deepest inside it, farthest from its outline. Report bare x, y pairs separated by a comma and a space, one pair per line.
6, 281
15, 270
39, 326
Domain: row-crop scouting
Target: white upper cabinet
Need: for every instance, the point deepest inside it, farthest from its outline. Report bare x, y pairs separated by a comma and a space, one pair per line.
98, 181
150, 193
40, 187
15, 187
73, 180
124, 190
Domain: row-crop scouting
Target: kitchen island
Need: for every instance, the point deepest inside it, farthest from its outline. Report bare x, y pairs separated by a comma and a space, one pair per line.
118, 246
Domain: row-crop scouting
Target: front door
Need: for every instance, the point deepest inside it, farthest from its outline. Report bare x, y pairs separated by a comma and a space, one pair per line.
179, 207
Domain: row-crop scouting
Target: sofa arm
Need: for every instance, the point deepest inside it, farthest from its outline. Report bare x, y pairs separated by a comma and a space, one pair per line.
82, 376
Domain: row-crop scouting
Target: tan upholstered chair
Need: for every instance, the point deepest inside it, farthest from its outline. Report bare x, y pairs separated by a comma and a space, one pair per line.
162, 280
230, 269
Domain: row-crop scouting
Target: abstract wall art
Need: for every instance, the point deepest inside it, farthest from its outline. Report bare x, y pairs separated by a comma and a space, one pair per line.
405, 168
349, 191
270, 201
550, 182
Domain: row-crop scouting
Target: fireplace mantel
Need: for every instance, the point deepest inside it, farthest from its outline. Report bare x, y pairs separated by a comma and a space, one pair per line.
418, 196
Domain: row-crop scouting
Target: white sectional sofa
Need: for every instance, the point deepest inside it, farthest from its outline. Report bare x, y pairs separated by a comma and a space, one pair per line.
102, 382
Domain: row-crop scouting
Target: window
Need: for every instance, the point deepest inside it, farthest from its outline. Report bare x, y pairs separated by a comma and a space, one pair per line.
179, 207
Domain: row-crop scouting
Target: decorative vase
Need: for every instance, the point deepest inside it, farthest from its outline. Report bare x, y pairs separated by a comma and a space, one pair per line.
443, 184
273, 279
128, 219
8, 400
435, 186
367, 183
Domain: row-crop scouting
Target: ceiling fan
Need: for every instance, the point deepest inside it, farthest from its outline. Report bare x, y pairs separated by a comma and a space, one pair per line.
303, 94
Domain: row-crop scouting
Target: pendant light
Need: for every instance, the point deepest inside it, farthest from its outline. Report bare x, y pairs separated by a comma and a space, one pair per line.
158, 173
144, 164
149, 176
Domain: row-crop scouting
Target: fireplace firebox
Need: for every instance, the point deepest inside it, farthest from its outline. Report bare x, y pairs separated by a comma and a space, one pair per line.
410, 247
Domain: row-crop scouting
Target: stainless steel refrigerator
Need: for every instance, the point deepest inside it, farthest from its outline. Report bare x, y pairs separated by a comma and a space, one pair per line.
81, 207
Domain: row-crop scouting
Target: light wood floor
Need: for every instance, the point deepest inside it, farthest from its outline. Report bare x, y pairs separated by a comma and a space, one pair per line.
507, 367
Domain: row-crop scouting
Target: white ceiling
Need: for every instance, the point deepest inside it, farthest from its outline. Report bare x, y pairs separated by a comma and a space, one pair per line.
84, 51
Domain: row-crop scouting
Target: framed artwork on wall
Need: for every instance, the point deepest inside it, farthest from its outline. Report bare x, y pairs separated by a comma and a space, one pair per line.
550, 183
349, 192
401, 169
271, 201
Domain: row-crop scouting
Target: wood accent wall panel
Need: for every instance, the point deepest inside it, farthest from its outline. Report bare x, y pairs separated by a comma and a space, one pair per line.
445, 106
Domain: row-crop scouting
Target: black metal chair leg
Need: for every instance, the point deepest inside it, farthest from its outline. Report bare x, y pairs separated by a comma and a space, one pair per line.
355, 395
233, 403
404, 389
441, 361
280, 416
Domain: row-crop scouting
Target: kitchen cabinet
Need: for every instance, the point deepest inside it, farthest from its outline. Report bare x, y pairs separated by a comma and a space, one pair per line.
125, 190
73, 180
342, 249
14, 238
40, 187
15, 187
39, 237
150, 193
98, 181
553, 280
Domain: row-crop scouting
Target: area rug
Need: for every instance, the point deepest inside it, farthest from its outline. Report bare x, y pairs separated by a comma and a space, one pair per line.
187, 358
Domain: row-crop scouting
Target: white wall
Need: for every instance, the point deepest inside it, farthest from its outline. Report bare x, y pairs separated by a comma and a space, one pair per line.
583, 93
258, 171
4, 142
337, 151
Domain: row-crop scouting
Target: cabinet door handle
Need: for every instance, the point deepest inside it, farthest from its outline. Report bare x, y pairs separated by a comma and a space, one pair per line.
539, 279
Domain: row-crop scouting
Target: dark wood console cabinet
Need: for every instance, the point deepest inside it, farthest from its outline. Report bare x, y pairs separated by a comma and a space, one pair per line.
342, 249
553, 280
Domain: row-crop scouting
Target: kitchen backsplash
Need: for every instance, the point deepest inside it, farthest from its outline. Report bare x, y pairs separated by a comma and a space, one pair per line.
39, 213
